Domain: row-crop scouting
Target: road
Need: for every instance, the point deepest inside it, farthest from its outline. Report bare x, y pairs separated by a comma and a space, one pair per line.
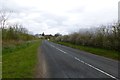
58, 61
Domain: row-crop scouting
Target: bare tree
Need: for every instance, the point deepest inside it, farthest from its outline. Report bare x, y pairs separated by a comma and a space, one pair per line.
4, 15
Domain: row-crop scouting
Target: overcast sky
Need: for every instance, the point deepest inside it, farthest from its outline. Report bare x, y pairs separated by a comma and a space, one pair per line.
60, 16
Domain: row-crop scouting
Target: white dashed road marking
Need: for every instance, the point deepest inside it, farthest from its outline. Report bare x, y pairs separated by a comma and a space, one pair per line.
96, 68
88, 64
59, 49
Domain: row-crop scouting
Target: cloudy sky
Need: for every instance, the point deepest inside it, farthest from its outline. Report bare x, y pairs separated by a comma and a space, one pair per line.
60, 16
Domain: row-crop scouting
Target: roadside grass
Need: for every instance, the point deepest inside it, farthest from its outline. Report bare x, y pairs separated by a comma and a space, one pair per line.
98, 51
20, 62
12, 47
0, 60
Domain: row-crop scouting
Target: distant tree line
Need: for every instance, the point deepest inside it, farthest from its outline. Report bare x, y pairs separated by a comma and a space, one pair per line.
47, 36
103, 37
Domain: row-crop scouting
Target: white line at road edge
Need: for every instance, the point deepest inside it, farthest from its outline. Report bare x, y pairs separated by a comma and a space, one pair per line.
88, 64
96, 68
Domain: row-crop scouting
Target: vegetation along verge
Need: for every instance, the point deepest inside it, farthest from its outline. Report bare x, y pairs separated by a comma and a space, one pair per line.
98, 51
21, 62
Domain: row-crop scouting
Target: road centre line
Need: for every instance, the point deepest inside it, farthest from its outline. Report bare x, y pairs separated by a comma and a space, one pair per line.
59, 49
96, 68
88, 64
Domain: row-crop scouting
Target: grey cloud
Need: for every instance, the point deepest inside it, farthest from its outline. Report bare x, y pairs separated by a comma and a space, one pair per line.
53, 22
10, 5
58, 19
78, 10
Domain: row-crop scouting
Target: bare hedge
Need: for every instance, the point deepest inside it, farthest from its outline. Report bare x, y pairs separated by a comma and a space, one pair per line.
104, 37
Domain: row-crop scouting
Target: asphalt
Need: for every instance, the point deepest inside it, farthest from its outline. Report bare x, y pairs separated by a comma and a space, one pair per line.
58, 61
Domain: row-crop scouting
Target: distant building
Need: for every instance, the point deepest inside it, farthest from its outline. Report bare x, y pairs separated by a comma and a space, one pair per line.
39, 35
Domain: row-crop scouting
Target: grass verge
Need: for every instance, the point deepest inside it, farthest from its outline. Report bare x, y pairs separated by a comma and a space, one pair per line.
21, 62
98, 51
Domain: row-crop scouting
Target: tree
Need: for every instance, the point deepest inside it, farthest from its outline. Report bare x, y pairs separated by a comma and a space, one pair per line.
43, 34
57, 34
107, 37
4, 15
